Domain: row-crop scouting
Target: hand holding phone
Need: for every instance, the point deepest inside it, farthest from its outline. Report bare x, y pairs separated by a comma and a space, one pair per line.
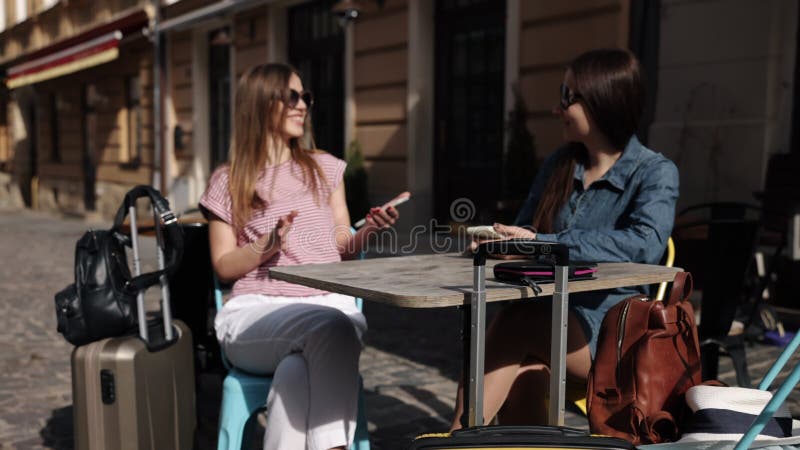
400, 199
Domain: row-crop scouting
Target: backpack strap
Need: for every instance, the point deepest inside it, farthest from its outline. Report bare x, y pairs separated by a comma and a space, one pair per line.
681, 288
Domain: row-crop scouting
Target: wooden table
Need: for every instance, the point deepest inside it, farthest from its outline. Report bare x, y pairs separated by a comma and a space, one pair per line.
434, 281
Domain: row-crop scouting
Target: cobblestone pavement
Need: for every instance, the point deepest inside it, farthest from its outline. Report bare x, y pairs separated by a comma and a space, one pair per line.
409, 366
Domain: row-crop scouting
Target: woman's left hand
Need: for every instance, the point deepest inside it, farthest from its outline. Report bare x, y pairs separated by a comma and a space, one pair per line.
513, 232
381, 219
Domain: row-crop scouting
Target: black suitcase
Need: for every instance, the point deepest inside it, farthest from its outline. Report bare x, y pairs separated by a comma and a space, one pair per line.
522, 437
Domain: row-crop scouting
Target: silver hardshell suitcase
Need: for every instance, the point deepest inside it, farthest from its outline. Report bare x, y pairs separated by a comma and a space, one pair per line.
136, 392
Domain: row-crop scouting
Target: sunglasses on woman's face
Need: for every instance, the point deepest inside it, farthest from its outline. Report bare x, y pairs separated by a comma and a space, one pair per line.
294, 98
568, 97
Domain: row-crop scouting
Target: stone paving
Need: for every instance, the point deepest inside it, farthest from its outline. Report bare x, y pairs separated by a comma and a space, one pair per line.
409, 366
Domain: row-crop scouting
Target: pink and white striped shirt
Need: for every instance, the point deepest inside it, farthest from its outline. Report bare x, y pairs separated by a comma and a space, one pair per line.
311, 239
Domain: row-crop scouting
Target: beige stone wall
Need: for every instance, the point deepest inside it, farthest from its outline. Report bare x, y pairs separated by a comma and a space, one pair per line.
552, 34
380, 76
725, 93
60, 185
10, 194
179, 62
19, 133
249, 40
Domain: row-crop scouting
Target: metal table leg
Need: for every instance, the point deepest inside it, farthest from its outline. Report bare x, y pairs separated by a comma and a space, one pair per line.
475, 333
558, 347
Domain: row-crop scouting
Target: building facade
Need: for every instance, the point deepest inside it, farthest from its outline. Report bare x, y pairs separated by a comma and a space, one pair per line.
76, 121
430, 90
424, 87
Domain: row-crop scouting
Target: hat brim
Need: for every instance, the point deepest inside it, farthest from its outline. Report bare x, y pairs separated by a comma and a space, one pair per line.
707, 441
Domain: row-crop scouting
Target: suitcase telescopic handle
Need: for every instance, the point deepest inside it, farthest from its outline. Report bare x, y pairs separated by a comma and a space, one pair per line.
162, 215
526, 247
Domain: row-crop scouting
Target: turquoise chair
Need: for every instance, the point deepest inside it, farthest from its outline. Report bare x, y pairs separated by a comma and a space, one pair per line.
244, 393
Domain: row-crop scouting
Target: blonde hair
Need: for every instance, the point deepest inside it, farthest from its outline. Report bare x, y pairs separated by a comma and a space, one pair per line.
259, 115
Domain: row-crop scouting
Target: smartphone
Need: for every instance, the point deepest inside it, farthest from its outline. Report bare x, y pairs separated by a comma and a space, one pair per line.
484, 232
399, 200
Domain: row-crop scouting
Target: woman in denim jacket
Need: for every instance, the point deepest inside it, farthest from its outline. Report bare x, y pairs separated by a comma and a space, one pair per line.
604, 195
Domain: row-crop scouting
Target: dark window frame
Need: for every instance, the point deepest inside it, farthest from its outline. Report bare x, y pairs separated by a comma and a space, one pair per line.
55, 141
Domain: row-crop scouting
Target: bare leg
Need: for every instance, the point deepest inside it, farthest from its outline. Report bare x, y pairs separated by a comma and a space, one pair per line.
518, 343
525, 404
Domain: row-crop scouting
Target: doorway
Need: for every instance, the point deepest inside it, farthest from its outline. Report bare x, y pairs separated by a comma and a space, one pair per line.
31, 187
219, 94
469, 114
89, 131
316, 49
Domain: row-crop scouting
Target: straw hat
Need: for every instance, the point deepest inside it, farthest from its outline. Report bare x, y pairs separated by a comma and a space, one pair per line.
721, 415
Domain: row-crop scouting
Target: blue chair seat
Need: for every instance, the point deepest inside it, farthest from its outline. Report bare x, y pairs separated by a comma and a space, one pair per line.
244, 393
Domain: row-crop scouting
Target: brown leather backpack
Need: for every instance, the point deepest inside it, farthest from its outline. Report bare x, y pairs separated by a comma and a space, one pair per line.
648, 355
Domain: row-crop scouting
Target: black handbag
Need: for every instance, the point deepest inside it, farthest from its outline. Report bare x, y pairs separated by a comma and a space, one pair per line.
532, 273
102, 301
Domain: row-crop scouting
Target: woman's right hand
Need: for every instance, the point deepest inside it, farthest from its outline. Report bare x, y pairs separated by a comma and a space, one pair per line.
473, 246
508, 232
278, 236
514, 232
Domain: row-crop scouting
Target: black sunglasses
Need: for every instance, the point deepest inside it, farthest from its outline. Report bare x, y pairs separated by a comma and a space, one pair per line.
294, 98
568, 97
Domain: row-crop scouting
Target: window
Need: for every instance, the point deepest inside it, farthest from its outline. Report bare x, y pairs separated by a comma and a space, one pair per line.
133, 103
55, 145
470, 80
22, 10
316, 49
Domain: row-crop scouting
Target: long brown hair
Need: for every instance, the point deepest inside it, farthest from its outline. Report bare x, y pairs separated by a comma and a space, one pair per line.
259, 115
611, 90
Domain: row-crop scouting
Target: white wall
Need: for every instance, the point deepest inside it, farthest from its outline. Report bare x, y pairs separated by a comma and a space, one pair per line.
725, 92
21, 7
47, 4
2, 15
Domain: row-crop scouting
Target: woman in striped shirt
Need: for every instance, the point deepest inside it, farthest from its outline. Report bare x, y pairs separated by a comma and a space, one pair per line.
278, 203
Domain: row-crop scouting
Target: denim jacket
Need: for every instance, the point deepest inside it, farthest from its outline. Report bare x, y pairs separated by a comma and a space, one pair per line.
625, 216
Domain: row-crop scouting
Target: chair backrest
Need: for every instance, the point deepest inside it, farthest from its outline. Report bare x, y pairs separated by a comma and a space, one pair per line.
722, 255
781, 190
662, 288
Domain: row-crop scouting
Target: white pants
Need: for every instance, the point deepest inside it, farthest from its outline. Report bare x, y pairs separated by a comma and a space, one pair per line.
311, 346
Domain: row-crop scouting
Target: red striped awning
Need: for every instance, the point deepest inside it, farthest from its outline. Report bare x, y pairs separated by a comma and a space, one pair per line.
91, 53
